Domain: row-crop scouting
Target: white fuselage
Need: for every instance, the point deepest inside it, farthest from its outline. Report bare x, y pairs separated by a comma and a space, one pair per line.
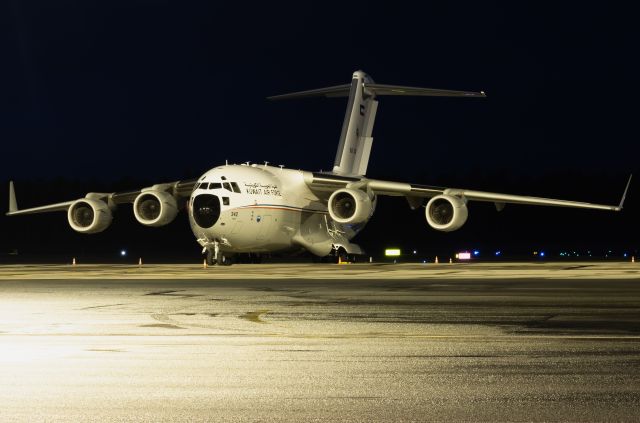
260, 208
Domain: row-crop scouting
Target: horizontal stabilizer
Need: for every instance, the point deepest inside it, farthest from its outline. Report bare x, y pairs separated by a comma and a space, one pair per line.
335, 91
356, 136
378, 90
381, 89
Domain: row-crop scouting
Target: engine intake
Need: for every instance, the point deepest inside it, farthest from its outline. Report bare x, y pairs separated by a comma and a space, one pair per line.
155, 208
446, 213
89, 216
350, 206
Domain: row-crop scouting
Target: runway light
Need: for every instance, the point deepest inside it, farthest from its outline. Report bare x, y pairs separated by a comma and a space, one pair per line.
541, 253
392, 252
498, 253
476, 252
123, 253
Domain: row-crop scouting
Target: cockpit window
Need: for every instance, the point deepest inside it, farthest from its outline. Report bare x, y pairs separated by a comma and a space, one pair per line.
226, 186
235, 187
225, 201
215, 185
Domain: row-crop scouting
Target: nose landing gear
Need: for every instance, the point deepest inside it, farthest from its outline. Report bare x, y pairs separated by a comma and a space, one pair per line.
216, 257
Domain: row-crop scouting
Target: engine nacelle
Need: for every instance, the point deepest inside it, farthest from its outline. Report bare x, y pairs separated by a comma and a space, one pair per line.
89, 216
446, 213
350, 206
155, 208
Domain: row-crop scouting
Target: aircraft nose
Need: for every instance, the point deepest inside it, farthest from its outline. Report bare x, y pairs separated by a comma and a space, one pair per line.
206, 210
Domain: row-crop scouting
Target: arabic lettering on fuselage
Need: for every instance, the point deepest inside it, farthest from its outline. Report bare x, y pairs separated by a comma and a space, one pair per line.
255, 188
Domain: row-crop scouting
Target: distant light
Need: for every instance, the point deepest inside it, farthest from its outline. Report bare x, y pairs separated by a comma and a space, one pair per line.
498, 253
541, 253
123, 253
463, 256
476, 252
415, 252
535, 253
424, 261
625, 254
392, 252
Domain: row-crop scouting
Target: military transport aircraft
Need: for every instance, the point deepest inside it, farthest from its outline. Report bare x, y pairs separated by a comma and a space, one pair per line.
256, 209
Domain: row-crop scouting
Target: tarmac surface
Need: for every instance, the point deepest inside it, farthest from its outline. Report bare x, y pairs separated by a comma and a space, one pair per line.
354, 343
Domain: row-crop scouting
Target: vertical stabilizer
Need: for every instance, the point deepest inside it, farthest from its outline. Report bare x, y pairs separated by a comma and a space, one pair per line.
355, 143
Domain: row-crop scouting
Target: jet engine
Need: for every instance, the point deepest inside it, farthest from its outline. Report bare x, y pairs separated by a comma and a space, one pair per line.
350, 206
155, 208
446, 213
89, 216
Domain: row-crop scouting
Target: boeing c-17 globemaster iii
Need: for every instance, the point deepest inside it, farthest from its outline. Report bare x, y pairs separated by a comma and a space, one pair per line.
258, 209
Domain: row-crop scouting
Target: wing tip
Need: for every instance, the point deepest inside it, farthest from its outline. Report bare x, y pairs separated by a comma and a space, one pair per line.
13, 204
624, 194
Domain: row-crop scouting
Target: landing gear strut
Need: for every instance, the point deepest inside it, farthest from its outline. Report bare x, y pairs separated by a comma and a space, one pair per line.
336, 256
216, 257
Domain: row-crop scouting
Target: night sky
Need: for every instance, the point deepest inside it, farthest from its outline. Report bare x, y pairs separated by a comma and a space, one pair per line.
98, 96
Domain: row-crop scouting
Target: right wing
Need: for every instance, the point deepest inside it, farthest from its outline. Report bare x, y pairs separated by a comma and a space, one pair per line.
177, 189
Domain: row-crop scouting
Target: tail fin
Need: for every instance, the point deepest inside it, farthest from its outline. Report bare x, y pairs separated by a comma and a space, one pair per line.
355, 143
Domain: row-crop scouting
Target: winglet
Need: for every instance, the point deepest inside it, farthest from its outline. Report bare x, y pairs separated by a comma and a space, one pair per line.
13, 205
624, 195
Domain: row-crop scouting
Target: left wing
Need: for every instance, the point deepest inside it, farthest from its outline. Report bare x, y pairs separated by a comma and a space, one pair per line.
326, 182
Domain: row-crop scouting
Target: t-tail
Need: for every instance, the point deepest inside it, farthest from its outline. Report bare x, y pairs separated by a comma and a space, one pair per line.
355, 143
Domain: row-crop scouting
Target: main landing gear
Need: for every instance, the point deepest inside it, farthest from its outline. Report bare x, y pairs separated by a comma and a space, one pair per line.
338, 255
